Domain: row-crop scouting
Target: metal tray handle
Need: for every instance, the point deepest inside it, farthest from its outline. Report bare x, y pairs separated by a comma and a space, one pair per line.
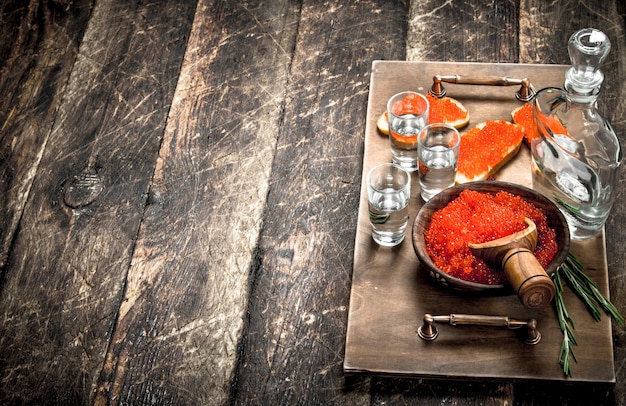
428, 331
525, 92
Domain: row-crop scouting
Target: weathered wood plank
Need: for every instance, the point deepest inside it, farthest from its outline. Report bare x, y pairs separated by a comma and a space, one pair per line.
183, 311
463, 31
544, 31
38, 45
68, 265
294, 340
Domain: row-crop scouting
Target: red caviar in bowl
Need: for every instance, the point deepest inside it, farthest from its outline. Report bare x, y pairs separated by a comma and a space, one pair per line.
478, 217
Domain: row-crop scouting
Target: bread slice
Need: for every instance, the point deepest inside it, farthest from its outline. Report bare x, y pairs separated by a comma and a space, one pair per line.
383, 123
485, 148
442, 110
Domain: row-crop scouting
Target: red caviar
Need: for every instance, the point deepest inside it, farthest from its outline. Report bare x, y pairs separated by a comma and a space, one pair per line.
411, 104
554, 124
443, 110
524, 117
476, 217
482, 149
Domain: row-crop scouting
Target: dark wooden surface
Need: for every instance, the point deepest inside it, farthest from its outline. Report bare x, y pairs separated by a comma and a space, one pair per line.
179, 184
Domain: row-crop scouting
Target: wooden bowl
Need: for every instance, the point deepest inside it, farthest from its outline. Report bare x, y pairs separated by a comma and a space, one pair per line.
555, 218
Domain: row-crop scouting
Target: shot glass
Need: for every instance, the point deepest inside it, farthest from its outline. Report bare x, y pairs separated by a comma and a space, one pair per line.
408, 114
438, 154
388, 194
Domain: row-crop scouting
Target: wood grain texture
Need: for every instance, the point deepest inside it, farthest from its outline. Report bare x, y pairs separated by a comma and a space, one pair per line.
39, 45
463, 31
68, 265
190, 273
295, 334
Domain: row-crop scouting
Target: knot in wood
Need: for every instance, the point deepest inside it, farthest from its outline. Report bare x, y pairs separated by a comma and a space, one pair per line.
83, 189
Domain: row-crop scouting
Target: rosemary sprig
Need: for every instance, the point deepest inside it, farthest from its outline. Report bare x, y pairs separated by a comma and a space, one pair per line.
572, 209
587, 290
567, 326
574, 273
377, 218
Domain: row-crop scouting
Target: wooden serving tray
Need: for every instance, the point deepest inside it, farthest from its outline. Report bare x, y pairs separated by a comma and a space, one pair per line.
391, 293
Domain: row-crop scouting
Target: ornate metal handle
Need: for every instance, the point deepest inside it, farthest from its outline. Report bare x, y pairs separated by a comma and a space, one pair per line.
428, 331
525, 92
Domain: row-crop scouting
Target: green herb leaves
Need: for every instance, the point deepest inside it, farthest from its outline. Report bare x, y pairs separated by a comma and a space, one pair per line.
376, 218
574, 273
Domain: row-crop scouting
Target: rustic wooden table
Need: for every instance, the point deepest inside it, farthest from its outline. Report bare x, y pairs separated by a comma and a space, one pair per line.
179, 183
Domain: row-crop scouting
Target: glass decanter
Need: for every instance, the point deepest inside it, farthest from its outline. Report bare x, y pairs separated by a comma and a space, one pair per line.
577, 156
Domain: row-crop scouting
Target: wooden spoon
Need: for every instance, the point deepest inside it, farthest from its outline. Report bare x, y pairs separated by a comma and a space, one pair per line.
514, 255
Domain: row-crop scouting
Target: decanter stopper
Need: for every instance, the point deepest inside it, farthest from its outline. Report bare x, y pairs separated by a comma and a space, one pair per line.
587, 48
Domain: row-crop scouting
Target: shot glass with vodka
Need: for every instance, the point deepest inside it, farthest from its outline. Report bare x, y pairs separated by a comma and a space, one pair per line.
438, 154
388, 194
408, 114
